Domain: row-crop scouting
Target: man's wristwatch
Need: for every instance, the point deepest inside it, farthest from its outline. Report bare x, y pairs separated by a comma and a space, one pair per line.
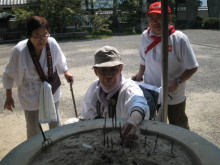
178, 80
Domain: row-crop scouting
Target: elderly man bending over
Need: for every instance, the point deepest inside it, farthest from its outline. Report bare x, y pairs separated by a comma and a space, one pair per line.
111, 94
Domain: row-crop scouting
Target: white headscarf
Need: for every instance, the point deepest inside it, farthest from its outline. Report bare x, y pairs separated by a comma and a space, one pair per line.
104, 95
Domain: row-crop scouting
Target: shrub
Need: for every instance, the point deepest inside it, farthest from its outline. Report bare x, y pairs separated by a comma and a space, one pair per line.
101, 25
199, 22
211, 23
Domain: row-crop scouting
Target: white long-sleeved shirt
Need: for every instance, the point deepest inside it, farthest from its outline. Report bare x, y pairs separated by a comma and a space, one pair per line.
130, 96
20, 72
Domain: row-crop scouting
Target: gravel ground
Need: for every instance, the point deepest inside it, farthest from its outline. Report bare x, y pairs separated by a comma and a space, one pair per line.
203, 91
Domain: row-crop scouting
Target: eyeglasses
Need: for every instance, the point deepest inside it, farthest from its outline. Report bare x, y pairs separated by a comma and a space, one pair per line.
107, 70
37, 37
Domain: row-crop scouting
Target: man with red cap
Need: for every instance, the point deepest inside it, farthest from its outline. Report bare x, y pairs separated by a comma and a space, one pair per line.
182, 63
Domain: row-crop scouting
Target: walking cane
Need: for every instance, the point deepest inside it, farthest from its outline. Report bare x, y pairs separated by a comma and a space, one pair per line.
74, 103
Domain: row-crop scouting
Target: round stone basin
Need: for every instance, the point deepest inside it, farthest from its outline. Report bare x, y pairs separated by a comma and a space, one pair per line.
84, 143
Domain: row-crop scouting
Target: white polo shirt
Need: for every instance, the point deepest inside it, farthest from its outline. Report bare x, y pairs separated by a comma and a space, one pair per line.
180, 58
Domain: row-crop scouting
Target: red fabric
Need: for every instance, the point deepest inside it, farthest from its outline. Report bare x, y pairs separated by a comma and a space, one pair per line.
157, 39
156, 8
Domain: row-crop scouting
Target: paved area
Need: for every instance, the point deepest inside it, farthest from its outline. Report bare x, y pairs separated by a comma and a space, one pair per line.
203, 93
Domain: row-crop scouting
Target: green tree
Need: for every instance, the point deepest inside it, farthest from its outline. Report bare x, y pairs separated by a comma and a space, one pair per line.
59, 13
101, 25
21, 16
214, 8
100, 21
130, 12
114, 18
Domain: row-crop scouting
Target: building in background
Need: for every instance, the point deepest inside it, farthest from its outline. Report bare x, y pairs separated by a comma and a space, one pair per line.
7, 24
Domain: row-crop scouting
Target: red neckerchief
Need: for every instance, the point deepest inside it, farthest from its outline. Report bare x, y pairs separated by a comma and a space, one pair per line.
157, 39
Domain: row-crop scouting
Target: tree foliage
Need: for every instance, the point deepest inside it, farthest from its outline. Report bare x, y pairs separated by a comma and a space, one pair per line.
21, 14
211, 23
101, 25
59, 13
213, 8
131, 11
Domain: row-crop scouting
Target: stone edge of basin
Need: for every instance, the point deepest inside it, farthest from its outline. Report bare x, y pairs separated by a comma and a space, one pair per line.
204, 152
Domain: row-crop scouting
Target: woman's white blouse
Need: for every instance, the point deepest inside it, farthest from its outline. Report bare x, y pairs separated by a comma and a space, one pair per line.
20, 72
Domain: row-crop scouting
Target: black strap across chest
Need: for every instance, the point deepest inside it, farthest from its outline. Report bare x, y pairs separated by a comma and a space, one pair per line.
37, 63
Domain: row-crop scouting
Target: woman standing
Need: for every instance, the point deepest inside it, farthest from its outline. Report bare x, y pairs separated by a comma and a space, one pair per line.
34, 62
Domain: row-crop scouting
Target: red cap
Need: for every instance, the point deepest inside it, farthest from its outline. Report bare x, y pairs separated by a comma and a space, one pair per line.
156, 8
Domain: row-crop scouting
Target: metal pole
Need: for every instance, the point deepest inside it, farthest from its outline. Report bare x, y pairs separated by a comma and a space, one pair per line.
164, 63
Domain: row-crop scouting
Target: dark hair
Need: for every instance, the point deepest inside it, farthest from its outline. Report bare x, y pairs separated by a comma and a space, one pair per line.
35, 22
